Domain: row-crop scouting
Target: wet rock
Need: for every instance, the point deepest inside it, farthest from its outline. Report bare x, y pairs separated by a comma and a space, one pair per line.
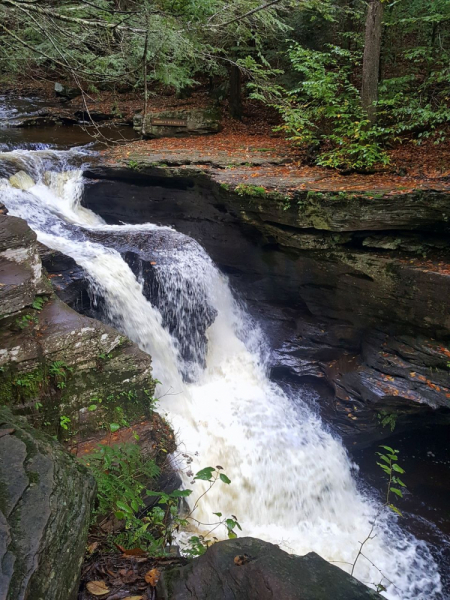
344, 265
93, 115
65, 92
252, 569
54, 361
154, 255
21, 276
21, 181
68, 279
45, 509
178, 123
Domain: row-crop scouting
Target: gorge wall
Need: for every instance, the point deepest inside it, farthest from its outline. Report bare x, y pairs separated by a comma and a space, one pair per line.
352, 288
56, 365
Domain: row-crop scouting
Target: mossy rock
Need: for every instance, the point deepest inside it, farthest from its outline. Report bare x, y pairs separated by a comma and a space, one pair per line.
45, 505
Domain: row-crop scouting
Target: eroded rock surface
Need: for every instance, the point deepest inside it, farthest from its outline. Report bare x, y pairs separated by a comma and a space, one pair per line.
54, 361
251, 569
175, 123
45, 504
352, 288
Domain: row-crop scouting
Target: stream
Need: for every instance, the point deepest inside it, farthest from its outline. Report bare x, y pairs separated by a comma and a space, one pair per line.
292, 481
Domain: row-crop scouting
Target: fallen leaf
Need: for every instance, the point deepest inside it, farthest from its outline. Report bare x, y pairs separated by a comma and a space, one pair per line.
97, 588
134, 552
133, 598
152, 577
241, 559
92, 547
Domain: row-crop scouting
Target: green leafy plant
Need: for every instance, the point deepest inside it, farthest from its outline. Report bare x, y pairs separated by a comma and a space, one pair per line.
64, 422
29, 384
26, 321
38, 302
59, 371
387, 419
149, 518
323, 113
388, 462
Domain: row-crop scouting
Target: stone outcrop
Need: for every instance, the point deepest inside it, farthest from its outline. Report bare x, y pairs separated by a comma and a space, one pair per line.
178, 123
45, 507
256, 570
352, 287
58, 366
65, 92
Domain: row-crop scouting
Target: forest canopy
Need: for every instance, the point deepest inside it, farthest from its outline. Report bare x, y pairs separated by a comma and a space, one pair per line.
348, 77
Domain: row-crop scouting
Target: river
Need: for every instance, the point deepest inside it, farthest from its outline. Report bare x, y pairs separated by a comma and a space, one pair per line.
292, 481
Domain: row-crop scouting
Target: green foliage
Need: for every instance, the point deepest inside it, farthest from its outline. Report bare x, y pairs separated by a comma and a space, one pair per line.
60, 372
123, 477
133, 164
64, 422
392, 469
255, 191
387, 419
26, 321
28, 385
97, 43
324, 111
39, 302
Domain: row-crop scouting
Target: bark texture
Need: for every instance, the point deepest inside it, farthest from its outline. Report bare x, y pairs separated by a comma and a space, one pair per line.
371, 63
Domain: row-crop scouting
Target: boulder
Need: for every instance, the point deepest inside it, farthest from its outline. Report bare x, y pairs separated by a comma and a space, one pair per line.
45, 508
250, 569
21, 274
21, 181
65, 92
178, 123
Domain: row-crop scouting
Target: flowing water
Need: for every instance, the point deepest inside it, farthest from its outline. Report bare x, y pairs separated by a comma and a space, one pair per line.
292, 481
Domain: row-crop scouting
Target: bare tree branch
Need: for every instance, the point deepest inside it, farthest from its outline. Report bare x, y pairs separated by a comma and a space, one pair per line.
247, 14
89, 22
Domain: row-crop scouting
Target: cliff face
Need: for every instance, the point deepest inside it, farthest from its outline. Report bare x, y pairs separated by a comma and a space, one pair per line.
45, 509
353, 287
67, 372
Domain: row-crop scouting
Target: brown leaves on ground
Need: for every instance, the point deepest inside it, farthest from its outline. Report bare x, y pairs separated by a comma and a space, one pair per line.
123, 576
97, 588
152, 577
241, 559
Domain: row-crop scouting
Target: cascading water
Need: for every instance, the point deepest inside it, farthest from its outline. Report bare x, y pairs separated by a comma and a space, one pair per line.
292, 481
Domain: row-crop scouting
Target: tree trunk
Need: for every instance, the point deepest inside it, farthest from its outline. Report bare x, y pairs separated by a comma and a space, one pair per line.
235, 93
371, 63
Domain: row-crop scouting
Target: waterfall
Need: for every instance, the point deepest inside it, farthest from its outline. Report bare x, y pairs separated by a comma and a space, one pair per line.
292, 482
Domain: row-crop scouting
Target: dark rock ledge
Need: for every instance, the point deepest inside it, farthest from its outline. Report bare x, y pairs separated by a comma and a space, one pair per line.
250, 569
353, 287
55, 362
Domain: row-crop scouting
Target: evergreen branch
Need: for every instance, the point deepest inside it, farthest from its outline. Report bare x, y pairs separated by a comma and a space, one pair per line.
247, 14
78, 20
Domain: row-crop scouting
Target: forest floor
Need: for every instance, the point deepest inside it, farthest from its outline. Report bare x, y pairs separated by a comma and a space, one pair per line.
247, 151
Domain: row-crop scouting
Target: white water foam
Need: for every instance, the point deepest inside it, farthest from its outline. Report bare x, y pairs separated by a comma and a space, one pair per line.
292, 482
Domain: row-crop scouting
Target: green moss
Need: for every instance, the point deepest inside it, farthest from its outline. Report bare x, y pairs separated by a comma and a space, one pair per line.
256, 191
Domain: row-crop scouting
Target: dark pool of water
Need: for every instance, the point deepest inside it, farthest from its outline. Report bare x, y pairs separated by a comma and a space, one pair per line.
14, 108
